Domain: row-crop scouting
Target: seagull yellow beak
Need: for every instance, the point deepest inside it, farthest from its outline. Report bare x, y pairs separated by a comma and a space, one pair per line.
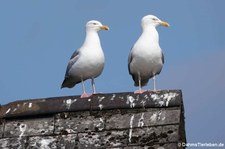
104, 27
164, 24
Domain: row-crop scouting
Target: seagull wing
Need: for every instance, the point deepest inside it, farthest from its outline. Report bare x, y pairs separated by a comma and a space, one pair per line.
130, 57
67, 81
73, 60
162, 57
134, 77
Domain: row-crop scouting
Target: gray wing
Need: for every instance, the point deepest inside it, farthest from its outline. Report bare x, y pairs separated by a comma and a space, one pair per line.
130, 57
162, 57
134, 77
75, 53
68, 82
73, 59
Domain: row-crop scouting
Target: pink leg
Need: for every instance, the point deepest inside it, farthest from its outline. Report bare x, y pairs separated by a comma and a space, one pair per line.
154, 91
139, 91
84, 95
93, 86
154, 86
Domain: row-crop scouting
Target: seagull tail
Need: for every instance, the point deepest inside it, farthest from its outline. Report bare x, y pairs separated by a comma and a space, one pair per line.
144, 81
67, 83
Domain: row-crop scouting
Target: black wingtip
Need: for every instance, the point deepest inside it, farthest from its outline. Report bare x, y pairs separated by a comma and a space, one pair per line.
68, 83
63, 84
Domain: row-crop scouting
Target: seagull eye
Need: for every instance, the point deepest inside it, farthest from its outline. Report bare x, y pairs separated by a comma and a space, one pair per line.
94, 23
154, 19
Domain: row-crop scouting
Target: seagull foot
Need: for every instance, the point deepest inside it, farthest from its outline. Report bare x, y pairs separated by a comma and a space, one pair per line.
154, 91
85, 95
97, 93
139, 91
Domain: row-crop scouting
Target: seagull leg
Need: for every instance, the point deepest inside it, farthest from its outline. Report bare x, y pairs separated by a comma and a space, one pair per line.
93, 85
139, 91
154, 84
84, 95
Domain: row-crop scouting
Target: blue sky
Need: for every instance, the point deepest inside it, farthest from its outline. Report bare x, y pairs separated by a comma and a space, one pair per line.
38, 37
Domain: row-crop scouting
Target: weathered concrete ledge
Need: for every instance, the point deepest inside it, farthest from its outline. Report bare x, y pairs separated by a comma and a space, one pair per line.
153, 120
165, 98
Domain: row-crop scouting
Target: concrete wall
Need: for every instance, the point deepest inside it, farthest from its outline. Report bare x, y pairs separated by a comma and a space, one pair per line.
119, 120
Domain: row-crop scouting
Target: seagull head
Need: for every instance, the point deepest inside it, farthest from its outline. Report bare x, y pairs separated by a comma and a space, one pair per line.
96, 26
151, 20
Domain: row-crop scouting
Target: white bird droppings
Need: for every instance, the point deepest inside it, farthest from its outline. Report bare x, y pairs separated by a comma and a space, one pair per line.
161, 103
130, 100
100, 106
146, 97
100, 125
164, 99
45, 143
143, 102
131, 127
14, 110
30, 105
153, 117
141, 120
101, 120
168, 97
69, 102
8, 111
22, 128
101, 98
155, 97
113, 96
121, 97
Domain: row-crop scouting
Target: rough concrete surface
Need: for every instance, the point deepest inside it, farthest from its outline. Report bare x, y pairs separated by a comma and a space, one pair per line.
118, 120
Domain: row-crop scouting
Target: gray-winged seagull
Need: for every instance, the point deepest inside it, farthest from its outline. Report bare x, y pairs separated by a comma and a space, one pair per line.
86, 62
146, 59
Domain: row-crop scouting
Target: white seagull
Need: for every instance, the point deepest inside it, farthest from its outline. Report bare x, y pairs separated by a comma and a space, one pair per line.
86, 62
146, 59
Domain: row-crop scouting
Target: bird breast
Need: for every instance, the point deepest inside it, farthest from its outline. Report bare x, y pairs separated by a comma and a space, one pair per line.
147, 59
90, 64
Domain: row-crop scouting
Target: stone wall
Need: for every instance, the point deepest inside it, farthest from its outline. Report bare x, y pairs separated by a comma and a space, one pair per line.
152, 120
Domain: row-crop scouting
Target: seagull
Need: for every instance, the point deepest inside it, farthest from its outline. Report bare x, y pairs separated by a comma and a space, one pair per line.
87, 62
146, 59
